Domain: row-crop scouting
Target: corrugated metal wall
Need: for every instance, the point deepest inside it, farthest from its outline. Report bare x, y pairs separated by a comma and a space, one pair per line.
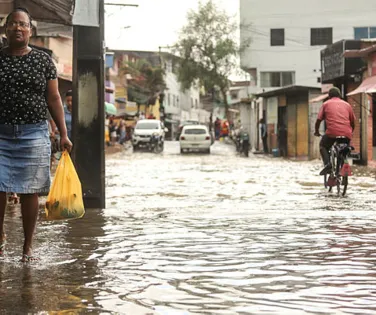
291, 129
54, 11
302, 128
314, 142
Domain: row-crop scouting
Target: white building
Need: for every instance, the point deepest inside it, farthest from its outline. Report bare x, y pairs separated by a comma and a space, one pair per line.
285, 37
181, 105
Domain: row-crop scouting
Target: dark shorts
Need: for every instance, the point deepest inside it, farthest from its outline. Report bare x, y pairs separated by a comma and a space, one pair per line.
25, 153
327, 142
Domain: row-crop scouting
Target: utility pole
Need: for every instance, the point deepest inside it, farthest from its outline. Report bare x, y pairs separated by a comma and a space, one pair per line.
88, 100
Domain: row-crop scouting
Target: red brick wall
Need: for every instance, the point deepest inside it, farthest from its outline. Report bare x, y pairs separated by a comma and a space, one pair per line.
354, 101
370, 137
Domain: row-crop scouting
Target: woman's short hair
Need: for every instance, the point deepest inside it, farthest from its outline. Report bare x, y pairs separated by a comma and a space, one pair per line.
19, 9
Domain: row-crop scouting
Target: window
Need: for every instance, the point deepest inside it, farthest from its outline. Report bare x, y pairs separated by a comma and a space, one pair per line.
364, 32
321, 36
198, 131
168, 66
234, 95
277, 37
145, 125
372, 32
169, 99
196, 103
277, 79
174, 100
192, 106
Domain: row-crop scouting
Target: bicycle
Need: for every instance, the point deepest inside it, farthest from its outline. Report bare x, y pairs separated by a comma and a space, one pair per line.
341, 170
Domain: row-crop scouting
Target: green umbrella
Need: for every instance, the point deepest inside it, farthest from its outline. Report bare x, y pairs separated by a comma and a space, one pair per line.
110, 108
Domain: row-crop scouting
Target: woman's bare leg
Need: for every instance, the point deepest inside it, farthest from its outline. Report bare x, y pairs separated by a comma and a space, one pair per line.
3, 205
30, 210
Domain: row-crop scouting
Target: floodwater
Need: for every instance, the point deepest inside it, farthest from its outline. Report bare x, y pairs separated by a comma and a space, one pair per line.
199, 234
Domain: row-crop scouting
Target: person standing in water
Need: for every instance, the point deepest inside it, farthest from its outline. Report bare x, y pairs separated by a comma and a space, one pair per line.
28, 89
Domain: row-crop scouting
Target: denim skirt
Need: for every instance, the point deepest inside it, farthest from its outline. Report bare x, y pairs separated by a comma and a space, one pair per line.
25, 155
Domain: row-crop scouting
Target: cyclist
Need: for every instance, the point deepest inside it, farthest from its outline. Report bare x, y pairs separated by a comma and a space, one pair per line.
340, 122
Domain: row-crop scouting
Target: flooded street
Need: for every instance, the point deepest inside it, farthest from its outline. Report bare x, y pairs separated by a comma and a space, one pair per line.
200, 234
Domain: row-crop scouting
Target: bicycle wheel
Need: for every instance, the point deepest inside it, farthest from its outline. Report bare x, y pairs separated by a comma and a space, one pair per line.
333, 173
337, 169
345, 181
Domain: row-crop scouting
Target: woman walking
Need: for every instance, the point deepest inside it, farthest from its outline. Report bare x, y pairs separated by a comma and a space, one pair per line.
28, 88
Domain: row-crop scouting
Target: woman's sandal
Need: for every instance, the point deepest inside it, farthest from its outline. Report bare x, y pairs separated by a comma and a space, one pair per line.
27, 258
13, 198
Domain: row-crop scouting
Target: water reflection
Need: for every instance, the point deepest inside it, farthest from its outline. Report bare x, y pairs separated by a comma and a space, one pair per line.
57, 281
200, 234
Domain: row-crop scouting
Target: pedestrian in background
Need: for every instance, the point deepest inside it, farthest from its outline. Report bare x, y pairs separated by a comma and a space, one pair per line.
122, 131
113, 130
28, 89
68, 103
217, 128
264, 135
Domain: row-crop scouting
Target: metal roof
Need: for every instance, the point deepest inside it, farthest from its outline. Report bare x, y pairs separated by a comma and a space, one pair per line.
287, 90
53, 11
46, 29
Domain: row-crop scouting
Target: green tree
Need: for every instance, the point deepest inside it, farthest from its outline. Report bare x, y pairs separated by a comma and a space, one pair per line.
208, 49
146, 81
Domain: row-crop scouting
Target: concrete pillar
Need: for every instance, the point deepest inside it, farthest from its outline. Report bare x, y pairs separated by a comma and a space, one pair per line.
88, 109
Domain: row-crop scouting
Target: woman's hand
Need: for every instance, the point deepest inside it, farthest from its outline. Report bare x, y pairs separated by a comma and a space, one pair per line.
66, 144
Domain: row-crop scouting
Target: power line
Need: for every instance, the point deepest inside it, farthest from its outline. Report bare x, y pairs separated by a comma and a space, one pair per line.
121, 4
308, 13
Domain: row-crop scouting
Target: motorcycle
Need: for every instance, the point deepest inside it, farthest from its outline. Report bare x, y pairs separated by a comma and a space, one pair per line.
156, 143
242, 143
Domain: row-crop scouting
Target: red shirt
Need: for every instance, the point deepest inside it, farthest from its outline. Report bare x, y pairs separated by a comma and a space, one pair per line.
338, 116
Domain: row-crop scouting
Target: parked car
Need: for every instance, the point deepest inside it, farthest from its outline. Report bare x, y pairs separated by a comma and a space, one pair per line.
185, 123
145, 130
195, 137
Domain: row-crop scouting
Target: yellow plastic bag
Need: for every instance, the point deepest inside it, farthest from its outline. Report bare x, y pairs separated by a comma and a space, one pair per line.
65, 198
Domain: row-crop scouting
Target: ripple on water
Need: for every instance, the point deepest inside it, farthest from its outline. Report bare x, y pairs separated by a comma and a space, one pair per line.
201, 234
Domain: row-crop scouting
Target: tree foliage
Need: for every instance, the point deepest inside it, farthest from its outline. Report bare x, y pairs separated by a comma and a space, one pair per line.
208, 49
146, 81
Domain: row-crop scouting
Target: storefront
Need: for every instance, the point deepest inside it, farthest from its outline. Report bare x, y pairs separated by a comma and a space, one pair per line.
366, 92
344, 73
288, 120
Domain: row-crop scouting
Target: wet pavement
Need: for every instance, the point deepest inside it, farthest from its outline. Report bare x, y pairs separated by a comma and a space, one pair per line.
200, 234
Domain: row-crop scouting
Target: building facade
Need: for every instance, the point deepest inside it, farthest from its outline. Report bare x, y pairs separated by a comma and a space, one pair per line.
290, 120
285, 38
176, 104
366, 93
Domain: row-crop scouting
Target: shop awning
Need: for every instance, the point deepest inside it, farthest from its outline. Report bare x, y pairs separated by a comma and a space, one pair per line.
319, 98
367, 86
54, 11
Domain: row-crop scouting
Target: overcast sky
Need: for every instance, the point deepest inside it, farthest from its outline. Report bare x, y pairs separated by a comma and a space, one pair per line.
152, 24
